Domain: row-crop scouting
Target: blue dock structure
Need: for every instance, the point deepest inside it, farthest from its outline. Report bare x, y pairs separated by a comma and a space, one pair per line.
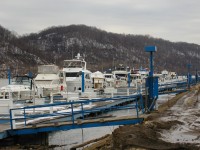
151, 86
102, 105
79, 114
76, 116
87, 113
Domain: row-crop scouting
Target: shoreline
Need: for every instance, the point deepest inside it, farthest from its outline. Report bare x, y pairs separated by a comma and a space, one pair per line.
149, 134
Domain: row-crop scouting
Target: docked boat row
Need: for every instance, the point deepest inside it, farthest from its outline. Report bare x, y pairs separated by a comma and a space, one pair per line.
75, 80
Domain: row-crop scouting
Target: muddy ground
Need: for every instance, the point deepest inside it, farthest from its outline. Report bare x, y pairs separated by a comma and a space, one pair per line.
176, 125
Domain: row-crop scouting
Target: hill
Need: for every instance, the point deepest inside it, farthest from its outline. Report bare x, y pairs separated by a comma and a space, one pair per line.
102, 50
15, 55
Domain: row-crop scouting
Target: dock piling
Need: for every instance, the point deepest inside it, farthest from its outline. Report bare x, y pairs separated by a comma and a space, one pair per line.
12, 112
51, 108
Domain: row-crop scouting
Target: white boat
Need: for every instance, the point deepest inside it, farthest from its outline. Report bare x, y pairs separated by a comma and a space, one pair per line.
136, 77
20, 87
48, 80
168, 77
121, 76
109, 80
144, 74
98, 80
139, 75
72, 74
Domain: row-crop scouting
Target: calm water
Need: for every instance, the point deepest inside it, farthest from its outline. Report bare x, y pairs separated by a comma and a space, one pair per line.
67, 139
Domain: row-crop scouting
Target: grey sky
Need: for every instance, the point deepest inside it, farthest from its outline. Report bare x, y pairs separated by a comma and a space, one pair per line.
174, 20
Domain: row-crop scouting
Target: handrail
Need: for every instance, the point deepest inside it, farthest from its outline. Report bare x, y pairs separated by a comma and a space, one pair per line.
81, 112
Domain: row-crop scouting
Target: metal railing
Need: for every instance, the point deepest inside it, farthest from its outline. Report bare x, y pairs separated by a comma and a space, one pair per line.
71, 115
112, 103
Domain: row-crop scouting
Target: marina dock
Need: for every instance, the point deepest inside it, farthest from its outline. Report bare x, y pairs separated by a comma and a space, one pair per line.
28, 121
79, 118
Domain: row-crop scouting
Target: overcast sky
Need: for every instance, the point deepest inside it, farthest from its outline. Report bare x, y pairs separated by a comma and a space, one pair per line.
174, 20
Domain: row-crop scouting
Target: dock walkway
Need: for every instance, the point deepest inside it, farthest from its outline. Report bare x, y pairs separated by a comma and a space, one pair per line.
78, 119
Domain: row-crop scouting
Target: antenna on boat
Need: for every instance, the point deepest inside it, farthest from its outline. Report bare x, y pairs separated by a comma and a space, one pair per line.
83, 56
78, 56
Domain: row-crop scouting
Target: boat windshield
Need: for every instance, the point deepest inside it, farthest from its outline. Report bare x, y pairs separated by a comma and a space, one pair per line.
21, 80
73, 64
73, 74
108, 76
121, 68
120, 75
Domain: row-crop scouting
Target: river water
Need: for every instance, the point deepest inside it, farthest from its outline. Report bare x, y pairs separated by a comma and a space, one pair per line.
67, 139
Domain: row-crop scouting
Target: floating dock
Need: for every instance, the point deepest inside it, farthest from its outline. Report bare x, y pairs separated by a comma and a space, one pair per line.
39, 125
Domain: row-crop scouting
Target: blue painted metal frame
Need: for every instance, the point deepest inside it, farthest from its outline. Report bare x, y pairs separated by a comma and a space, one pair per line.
129, 80
9, 76
150, 48
73, 114
173, 92
189, 76
74, 126
151, 81
151, 65
163, 88
81, 113
83, 81
152, 84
